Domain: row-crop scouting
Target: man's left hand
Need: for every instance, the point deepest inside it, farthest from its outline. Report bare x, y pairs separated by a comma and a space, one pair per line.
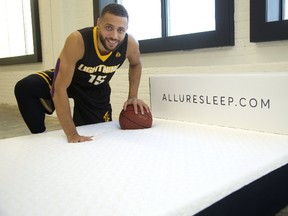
137, 103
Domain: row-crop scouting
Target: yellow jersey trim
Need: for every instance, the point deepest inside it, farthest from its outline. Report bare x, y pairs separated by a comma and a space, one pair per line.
45, 77
102, 57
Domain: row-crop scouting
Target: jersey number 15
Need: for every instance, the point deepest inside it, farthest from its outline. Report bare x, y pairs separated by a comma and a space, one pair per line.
97, 79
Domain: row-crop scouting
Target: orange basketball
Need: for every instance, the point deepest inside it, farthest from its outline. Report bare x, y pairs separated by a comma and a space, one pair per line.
129, 120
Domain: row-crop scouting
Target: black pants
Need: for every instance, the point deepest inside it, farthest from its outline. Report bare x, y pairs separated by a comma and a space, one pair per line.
30, 89
27, 92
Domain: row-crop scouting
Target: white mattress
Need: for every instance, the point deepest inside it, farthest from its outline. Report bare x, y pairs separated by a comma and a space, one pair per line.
174, 168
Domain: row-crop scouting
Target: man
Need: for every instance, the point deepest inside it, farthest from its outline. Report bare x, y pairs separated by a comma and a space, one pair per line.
85, 66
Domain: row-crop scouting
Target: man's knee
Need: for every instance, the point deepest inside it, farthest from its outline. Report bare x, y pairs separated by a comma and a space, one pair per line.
37, 129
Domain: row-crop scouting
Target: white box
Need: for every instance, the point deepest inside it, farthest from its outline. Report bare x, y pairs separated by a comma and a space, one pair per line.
251, 101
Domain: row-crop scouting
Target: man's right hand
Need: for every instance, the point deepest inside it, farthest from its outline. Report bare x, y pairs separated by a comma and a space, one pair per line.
77, 138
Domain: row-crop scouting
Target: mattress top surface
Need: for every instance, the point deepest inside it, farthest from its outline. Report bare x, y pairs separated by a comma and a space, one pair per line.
173, 168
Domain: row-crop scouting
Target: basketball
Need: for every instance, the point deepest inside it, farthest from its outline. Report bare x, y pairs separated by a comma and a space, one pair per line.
129, 120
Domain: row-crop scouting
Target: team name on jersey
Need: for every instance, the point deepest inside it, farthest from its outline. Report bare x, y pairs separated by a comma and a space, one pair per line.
98, 68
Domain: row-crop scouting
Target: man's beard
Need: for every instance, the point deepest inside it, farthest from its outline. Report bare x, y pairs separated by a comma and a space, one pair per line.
103, 42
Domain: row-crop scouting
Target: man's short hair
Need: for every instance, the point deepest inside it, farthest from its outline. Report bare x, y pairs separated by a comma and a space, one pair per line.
115, 9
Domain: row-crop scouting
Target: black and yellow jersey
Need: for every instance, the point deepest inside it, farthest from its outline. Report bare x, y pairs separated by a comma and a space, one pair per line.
94, 69
90, 87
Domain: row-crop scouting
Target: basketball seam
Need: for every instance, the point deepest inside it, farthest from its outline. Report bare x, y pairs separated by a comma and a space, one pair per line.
132, 121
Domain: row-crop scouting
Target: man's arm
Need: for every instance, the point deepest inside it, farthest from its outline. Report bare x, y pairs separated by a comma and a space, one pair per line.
135, 70
73, 51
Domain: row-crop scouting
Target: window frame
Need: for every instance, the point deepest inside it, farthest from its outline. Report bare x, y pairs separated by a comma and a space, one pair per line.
37, 56
262, 31
222, 36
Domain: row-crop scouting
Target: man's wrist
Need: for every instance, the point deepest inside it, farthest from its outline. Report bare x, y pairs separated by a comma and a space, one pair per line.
132, 98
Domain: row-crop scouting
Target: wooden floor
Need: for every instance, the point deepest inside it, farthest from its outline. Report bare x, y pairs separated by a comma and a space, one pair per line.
12, 125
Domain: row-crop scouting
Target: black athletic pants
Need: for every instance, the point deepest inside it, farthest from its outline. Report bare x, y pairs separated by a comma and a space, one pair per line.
27, 92
30, 89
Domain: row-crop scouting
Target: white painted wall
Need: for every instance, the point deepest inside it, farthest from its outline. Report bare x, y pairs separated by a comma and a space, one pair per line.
59, 17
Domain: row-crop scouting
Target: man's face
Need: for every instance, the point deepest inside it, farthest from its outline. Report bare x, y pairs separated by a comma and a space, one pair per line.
111, 31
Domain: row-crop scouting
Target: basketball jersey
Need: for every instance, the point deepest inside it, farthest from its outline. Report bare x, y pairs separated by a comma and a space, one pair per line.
90, 83
95, 70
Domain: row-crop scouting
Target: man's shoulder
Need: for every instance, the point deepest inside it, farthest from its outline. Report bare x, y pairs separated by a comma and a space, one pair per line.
133, 44
132, 39
86, 29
